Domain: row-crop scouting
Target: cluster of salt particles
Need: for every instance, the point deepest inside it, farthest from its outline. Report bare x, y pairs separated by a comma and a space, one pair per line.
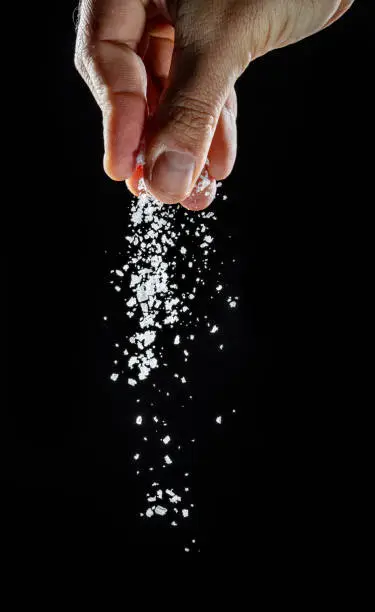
157, 303
174, 504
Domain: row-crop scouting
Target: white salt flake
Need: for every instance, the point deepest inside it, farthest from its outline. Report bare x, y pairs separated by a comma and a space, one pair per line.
167, 459
114, 377
166, 440
161, 511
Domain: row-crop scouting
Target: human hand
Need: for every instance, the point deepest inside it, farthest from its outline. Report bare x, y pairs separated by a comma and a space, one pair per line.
165, 71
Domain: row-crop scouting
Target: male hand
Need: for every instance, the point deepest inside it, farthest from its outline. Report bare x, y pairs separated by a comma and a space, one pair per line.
165, 70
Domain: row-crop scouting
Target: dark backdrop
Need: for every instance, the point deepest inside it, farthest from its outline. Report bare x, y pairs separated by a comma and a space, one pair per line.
296, 209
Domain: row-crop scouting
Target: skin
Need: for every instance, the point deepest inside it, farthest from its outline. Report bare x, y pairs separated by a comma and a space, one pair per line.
165, 71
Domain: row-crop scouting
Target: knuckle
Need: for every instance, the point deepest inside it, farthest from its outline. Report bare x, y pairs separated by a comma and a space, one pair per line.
193, 117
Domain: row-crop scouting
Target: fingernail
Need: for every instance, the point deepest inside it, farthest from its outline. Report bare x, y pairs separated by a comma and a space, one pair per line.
173, 173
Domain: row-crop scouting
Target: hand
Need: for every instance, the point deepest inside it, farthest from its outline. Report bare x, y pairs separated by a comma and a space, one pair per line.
165, 70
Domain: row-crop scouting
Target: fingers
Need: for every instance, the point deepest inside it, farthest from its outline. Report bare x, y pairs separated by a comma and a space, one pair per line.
108, 37
223, 150
199, 199
180, 136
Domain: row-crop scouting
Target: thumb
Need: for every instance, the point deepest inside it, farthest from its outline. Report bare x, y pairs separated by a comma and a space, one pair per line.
179, 135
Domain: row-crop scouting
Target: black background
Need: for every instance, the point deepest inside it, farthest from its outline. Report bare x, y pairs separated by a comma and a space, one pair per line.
296, 210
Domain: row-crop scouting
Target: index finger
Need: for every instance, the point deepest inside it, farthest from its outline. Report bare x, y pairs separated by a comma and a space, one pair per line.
110, 33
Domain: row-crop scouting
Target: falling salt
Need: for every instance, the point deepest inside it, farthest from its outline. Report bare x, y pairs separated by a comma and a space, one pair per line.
218, 420
160, 510
149, 287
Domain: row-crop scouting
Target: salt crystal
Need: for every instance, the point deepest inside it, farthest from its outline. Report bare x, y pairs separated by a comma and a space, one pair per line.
167, 459
161, 510
177, 340
185, 513
149, 513
139, 420
132, 382
132, 361
218, 420
166, 440
114, 377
